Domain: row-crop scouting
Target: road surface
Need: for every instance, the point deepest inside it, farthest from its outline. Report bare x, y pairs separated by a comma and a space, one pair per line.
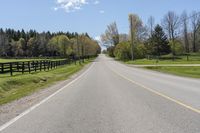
113, 98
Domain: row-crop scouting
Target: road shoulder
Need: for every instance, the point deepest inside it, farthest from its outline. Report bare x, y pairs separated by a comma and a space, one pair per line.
13, 109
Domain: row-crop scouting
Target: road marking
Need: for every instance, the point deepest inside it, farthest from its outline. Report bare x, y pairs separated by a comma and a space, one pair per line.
6, 125
158, 93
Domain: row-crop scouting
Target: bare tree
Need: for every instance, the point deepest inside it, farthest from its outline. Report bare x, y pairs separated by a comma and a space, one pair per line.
135, 24
111, 35
184, 18
151, 24
3, 44
123, 38
195, 26
171, 25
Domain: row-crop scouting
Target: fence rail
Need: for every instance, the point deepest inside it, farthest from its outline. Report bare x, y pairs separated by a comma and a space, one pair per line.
29, 66
34, 66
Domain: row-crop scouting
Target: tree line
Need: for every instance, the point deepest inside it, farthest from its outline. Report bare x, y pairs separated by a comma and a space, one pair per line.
175, 35
46, 44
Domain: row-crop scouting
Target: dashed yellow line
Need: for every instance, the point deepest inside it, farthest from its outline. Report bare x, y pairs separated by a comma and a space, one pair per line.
158, 93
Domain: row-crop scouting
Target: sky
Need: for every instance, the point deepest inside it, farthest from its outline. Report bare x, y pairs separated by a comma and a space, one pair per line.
91, 16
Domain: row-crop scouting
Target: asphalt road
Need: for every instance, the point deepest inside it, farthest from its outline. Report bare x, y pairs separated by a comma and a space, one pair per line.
114, 98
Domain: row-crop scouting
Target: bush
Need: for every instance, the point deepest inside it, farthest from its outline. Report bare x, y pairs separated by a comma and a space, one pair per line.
179, 49
140, 51
122, 51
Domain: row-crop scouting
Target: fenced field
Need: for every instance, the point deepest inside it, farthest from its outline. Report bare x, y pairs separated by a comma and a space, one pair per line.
34, 66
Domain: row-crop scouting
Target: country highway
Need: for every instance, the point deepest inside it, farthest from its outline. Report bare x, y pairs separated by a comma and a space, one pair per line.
111, 97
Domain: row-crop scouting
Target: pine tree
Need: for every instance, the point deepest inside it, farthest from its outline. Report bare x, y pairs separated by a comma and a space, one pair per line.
159, 44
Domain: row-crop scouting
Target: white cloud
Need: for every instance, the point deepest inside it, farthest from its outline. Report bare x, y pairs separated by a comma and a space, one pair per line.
55, 9
73, 5
102, 11
96, 2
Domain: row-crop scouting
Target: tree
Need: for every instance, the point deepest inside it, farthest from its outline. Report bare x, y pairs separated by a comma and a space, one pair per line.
179, 49
36, 44
64, 45
123, 38
151, 24
111, 35
30, 44
135, 24
53, 46
17, 47
122, 51
42, 42
158, 42
171, 24
4, 44
195, 27
184, 17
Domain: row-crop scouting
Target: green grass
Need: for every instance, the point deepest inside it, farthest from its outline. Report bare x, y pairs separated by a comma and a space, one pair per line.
17, 86
193, 72
17, 60
193, 59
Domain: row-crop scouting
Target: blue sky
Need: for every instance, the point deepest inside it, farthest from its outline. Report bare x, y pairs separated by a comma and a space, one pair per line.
90, 16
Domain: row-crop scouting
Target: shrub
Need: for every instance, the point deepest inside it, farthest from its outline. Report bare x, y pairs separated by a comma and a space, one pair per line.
122, 51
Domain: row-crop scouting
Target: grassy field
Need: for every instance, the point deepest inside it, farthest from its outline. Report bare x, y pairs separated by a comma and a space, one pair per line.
15, 87
193, 72
16, 60
193, 59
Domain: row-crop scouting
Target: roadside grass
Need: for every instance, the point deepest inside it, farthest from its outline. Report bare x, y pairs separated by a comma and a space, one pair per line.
193, 59
18, 86
193, 72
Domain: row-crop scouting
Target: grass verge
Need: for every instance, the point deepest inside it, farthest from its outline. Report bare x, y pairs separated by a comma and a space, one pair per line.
193, 72
18, 86
154, 62
168, 59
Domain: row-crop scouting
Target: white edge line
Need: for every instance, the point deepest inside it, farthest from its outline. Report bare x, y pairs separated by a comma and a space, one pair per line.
6, 125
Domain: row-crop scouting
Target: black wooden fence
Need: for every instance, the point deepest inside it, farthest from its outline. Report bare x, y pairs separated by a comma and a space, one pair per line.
30, 66
34, 66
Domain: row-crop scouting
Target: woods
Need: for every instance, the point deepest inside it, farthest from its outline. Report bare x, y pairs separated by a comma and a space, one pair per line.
20, 44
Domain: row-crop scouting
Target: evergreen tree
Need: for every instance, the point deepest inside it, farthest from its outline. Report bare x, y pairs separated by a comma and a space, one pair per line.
158, 42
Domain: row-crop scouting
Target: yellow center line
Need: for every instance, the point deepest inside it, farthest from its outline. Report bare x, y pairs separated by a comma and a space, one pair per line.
158, 93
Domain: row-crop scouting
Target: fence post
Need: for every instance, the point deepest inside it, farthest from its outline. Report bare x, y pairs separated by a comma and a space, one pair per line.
18, 66
44, 65
23, 68
51, 64
48, 65
29, 67
2, 68
40, 65
35, 67
11, 70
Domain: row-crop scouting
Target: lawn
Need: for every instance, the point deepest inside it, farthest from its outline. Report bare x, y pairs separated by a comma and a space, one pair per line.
193, 59
193, 72
15, 87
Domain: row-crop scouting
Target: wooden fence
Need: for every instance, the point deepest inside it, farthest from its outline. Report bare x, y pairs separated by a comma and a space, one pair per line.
31, 66
34, 66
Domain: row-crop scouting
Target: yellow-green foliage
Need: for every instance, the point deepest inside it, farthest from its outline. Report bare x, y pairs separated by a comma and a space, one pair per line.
123, 51
179, 49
